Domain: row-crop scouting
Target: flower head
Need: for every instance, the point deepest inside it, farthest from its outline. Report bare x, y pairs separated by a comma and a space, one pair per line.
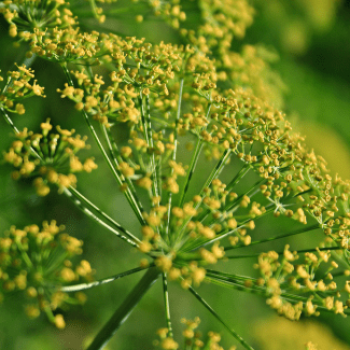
48, 157
36, 262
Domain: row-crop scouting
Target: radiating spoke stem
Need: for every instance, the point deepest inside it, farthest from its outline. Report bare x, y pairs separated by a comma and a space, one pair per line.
213, 312
125, 309
178, 114
289, 234
167, 305
84, 286
194, 160
87, 211
132, 201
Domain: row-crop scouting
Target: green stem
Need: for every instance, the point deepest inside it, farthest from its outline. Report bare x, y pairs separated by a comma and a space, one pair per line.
296, 232
10, 122
231, 207
125, 309
217, 170
130, 193
214, 174
92, 215
93, 7
147, 129
167, 306
178, 114
132, 202
84, 286
194, 160
213, 312
82, 198
239, 176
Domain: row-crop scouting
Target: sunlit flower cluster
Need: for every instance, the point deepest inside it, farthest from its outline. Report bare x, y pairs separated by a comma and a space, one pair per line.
36, 262
26, 16
19, 85
48, 157
227, 126
162, 109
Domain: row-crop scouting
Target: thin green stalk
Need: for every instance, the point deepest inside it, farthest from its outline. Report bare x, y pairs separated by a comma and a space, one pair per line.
153, 156
293, 233
12, 125
345, 262
147, 129
132, 201
202, 242
229, 277
125, 309
194, 160
178, 114
24, 255
9, 120
94, 8
192, 168
214, 174
90, 214
231, 207
217, 170
167, 306
159, 174
55, 263
130, 193
213, 312
82, 198
239, 176
84, 286
241, 225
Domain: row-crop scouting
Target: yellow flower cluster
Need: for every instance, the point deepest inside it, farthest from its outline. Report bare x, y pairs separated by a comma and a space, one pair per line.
26, 16
169, 11
310, 274
155, 92
43, 155
36, 262
67, 45
19, 86
222, 21
162, 97
192, 338
250, 69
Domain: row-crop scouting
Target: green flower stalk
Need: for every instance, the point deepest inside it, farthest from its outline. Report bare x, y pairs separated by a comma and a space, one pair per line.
177, 106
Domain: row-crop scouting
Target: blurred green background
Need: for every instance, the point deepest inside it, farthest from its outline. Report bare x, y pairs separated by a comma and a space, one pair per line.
312, 41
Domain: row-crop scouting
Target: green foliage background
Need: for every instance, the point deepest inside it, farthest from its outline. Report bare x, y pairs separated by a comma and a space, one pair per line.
318, 97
